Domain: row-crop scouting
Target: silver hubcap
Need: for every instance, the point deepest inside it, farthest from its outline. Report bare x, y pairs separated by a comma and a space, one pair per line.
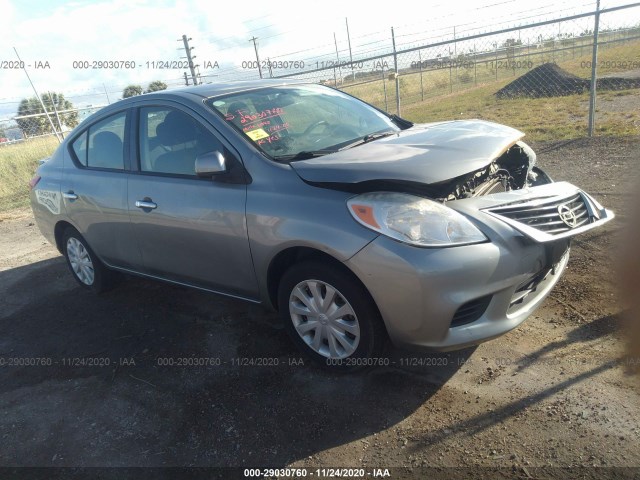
324, 319
80, 261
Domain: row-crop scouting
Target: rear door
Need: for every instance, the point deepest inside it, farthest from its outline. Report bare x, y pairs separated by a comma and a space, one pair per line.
94, 189
189, 229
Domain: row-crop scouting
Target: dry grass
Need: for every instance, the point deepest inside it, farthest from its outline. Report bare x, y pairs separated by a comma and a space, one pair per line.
542, 119
447, 96
18, 163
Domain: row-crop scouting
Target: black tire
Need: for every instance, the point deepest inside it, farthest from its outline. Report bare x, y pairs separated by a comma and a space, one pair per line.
103, 278
372, 333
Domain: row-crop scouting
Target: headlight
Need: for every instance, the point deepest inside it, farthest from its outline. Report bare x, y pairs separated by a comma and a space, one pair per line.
413, 220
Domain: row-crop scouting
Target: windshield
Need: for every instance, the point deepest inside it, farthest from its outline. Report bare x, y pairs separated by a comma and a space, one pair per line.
300, 121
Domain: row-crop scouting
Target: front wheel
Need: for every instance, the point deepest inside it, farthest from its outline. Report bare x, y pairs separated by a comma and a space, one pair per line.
330, 316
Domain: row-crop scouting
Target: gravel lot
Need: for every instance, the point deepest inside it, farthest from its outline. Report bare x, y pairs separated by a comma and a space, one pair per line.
553, 393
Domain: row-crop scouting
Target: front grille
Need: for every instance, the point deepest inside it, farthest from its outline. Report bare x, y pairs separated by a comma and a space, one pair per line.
470, 311
553, 216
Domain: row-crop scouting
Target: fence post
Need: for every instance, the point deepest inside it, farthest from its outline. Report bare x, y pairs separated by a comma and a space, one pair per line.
335, 42
55, 110
384, 87
594, 73
455, 55
475, 67
421, 85
395, 68
450, 77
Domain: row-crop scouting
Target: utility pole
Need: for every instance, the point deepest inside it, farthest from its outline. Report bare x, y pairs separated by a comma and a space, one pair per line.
255, 47
190, 58
455, 45
353, 75
106, 93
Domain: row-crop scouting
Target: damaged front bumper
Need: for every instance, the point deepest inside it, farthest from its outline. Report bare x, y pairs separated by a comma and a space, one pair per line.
450, 298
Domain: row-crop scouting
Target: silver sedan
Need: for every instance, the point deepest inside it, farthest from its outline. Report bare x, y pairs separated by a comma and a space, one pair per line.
356, 225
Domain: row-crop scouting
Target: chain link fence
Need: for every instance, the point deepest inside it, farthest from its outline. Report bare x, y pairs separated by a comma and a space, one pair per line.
37, 125
536, 77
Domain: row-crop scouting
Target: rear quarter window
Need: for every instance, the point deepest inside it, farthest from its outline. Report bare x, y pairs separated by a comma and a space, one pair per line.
79, 147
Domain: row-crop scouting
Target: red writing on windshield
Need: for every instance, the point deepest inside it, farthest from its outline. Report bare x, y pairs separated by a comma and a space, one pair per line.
277, 128
257, 125
247, 118
269, 139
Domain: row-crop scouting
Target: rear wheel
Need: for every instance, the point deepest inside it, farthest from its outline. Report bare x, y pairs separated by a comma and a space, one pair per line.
85, 267
331, 317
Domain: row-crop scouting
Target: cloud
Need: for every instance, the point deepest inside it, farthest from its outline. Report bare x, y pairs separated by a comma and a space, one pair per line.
148, 31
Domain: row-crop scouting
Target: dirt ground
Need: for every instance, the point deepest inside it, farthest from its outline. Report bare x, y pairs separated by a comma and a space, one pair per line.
553, 393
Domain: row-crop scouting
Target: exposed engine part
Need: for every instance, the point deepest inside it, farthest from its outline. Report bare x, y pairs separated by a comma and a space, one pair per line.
491, 179
513, 170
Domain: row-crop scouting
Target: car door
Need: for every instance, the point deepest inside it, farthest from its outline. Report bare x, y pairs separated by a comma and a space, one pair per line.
189, 229
94, 189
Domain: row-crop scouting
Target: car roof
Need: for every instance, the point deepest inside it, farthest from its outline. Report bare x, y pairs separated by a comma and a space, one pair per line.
212, 89
222, 88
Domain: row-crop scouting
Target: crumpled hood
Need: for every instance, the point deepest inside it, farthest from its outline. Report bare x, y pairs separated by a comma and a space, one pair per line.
425, 153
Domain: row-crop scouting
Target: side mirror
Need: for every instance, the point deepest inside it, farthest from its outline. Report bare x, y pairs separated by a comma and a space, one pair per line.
210, 163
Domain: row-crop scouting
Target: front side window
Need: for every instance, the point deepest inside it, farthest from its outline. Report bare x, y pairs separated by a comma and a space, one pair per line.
171, 140
291, 121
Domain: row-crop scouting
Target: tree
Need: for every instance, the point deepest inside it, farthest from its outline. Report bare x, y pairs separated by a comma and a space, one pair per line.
156, 86
40, 125
132, 91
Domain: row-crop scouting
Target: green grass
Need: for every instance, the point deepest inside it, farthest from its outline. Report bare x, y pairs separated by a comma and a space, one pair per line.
542, 119
434, 83
469, 93
18, 163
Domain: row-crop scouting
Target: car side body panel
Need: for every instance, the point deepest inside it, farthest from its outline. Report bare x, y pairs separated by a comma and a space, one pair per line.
46, 198
284, 212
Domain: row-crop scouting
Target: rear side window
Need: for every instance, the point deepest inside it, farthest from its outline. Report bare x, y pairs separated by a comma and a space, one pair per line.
102, 145
106, 143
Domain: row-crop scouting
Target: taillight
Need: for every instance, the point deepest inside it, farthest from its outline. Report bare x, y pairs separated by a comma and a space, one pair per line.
34, 181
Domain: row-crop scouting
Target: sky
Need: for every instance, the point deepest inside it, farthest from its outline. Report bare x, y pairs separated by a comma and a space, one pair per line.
51, 36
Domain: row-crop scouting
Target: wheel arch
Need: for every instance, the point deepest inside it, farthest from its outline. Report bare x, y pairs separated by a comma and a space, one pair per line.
58, 233
292, 255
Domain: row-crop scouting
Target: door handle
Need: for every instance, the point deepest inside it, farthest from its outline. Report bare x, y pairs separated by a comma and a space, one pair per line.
70, 195
146, 204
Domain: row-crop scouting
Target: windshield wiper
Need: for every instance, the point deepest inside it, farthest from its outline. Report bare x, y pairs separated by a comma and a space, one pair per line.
304, 155
367, 139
